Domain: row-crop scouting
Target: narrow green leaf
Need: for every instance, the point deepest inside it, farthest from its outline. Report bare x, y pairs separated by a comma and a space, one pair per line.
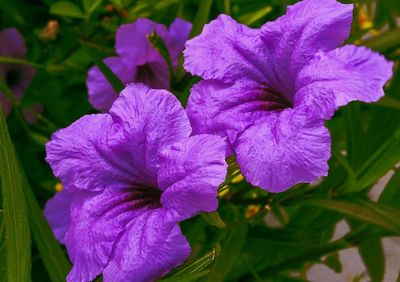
355, 134
371, 252
213, 218
201, 17
333, 262
90, 5
229, 253
112, 78
368, 212
51, 253
158, 43
3, 250
66, 9
194, 268
388, 102
391, 194
18, 240
253, 16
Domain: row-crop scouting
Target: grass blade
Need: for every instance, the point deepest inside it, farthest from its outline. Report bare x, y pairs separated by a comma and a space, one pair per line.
18, 240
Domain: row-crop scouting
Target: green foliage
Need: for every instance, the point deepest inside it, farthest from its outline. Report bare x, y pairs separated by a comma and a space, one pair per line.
231, 244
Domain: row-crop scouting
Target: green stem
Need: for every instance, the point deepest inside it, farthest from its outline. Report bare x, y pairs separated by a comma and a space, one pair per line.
11, 60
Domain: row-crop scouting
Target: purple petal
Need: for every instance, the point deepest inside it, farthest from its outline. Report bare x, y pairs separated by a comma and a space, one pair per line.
132, 44
58, 214
308, 27
97, 220
286, 148
340, 76
12, 43
81, 156
154, 74
151, 119
101, 93
217, 108
151, 246
227, 51
190, 173
179, 32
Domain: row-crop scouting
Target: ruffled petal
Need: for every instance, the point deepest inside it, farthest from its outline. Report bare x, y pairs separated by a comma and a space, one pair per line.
58, 212
286, 148
97, 221
338, 77
308, 27
178, 34
215, 107
12, 43
190, 174
151, 246
132, 44
149, 120
84, 155
227, 51
101, 93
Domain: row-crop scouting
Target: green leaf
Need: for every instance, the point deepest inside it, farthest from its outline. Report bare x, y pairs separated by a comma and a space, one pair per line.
355, 134
388, 102
158, 43
51, 253
391, 194
229, 253
362, 210
195, 269
213, 218
90, 5
333, 262
253, 16
3, 250
371, 252
18, 240
66, 9
201, 17
112, 78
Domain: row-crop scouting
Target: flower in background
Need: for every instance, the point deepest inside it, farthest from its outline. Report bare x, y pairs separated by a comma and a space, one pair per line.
129, 177
269, 90
138, 60
17, 76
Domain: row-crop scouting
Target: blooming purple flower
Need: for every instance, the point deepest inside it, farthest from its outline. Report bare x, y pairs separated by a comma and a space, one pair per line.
18, 77
269, 90
137, 60
130, 176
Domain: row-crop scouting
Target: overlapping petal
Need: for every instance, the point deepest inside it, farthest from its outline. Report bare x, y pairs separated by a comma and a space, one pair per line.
132, 44
150, 246
190, 173
215, 107
308, 27
57, 212
101, 93
227, 51
97, 221
343, 75
149, 119
178, 34
284, 149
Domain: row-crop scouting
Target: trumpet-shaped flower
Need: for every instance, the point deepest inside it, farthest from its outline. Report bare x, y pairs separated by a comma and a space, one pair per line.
130, 176
138, 60
269, 90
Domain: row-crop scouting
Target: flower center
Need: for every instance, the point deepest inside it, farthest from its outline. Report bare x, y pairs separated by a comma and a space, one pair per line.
275, 101
144, 196
145, 74
13, 76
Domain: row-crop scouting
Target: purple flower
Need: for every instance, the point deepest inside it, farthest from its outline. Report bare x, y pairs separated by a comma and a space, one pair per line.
130, 176
137, 60
18, 77
269, 90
